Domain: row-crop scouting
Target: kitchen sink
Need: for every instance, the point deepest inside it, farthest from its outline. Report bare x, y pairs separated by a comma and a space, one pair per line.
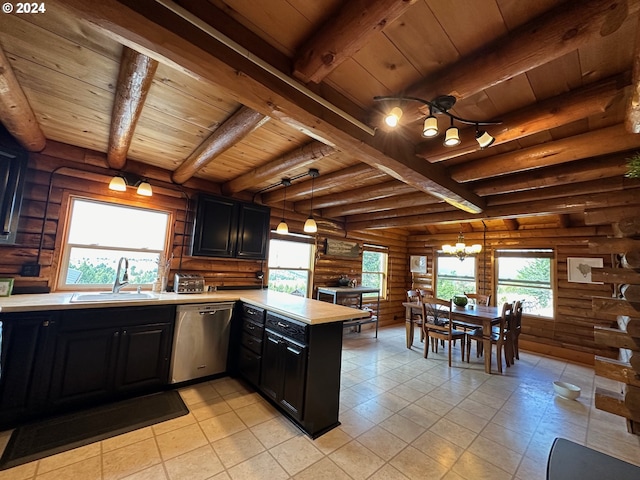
111, 297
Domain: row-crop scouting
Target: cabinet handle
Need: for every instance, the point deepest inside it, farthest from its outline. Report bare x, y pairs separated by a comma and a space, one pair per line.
250, 326
45, 323
283, 325
116, 334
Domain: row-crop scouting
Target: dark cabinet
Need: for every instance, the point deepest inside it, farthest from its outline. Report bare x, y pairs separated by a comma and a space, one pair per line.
225, 227
107, 353
13, 170
251, 343
26, 348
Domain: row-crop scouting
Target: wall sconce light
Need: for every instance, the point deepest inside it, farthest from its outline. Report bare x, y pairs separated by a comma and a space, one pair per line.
439, 105
460, 249
282, 226
310, 226
120, 182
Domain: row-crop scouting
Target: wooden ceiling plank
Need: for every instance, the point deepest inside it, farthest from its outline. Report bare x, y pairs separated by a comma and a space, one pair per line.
594, 98
301, 156
15, 112
632, 118
355, 195
390, 203
182, 44
557, 32
134, 81
590, 144
346, 33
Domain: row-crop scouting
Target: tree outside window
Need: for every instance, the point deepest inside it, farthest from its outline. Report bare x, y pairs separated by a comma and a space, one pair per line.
374, 271
290, 266
454, 277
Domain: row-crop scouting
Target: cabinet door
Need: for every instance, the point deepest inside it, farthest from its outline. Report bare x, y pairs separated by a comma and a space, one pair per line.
84, 366
294, 375
271, 381
249, 365
215, 229
143, 359
253, 231
25, 352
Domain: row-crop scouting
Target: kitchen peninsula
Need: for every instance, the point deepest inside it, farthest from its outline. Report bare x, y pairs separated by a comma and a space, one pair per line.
298, 369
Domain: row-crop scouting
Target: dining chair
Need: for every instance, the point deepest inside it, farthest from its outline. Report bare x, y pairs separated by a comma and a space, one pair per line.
479, 298
500, 337
414, 296
437, 325
516, 327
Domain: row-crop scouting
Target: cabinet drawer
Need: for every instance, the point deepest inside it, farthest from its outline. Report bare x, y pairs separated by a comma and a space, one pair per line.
255, 314
253, 328
252, 343
287, 327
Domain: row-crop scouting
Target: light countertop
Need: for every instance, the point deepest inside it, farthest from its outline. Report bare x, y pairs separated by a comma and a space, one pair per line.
303, 309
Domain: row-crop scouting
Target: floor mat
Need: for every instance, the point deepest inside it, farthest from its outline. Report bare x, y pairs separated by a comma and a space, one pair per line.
58, 434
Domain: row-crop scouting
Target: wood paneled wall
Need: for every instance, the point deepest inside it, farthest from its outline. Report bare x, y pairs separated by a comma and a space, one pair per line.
570, 333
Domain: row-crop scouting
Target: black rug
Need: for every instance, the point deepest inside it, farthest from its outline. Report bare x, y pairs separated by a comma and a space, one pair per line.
59, 434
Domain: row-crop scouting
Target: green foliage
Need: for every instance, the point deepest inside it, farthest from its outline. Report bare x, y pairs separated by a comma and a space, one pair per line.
633, 166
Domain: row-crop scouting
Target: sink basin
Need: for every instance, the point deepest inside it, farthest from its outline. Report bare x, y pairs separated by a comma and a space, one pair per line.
111, 297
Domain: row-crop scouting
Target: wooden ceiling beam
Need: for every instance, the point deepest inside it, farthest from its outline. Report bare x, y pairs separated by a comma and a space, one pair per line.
15, 112
362, 194
565, 174
592, 99
298, 158
390, 203
346, 32
239, 125
323, 183
511, 223
555, 33
590, 144
632, 119
134, 81
162, 34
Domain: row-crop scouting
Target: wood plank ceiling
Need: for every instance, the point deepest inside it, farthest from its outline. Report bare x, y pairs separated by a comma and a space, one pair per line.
244, 93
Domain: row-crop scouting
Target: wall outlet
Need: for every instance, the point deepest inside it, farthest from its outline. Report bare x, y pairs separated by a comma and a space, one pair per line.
30, 270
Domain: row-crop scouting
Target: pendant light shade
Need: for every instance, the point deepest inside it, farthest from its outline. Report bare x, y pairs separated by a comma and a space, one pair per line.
452, 138
430, 128
144, 189
282, 227
483, 138
310, 226
118, 184
393, 117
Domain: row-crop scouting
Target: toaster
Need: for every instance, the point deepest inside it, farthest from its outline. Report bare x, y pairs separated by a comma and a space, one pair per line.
188, 283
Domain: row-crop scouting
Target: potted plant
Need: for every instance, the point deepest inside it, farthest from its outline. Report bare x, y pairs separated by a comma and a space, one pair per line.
633, 166
343, 281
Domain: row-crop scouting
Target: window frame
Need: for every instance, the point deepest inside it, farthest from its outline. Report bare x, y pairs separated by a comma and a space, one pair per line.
532, 252
441, 253
296, 238
64, 248
384, 274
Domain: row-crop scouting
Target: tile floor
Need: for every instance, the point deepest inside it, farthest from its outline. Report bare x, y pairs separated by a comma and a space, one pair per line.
402, 417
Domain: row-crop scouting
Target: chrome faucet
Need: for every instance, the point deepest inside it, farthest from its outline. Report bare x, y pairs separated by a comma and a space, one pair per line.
117, 284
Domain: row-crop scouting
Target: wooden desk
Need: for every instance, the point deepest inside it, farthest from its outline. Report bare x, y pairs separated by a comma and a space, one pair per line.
478, 315
335, 293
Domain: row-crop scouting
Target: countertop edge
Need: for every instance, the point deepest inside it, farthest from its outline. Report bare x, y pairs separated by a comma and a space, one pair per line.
306, 310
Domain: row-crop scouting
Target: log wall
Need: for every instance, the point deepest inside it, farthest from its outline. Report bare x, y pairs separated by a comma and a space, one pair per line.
569, 334
75, 171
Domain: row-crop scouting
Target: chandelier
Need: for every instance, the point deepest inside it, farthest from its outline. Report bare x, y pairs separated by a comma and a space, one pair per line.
460, 249
439, 105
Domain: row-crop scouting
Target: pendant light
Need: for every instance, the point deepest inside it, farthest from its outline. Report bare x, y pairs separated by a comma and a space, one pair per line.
144, 188
118, 184
451, 138
282, 226
310, 226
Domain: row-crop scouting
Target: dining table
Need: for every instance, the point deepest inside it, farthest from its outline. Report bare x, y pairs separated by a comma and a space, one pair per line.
483, 316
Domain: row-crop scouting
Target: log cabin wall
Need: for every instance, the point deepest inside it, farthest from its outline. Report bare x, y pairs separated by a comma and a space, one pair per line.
76, 171
570, 333
82, 172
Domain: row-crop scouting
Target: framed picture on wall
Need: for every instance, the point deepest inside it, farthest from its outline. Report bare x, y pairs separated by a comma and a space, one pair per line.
342, 248
6, 286
418, 264
579, 269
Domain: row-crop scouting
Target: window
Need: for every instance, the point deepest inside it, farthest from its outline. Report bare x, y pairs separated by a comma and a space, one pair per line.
100, 233
526, 275
374, 270
290, 265
454, 277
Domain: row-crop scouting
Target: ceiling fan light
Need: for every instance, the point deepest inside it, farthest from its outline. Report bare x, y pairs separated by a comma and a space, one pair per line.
430, 128
393, 117
452, 138
118, 184
144, 189
310, 226
282, 227
484, 139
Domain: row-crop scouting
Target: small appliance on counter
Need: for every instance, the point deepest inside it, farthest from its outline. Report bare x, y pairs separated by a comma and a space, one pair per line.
188, 283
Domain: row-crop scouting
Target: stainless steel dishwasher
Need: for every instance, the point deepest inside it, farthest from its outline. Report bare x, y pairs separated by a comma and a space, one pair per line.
201, 340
